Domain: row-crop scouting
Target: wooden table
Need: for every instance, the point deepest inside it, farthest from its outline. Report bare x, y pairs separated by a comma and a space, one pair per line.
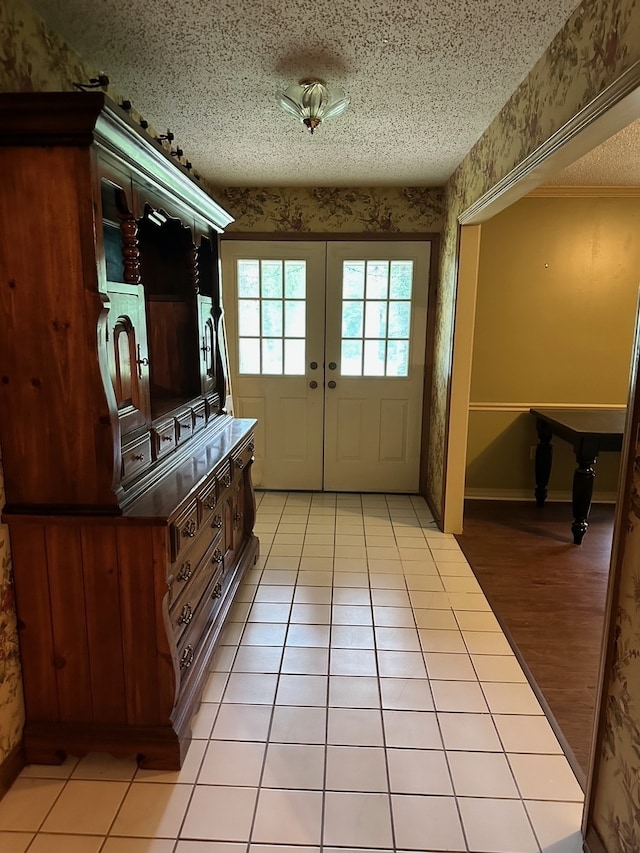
588, 431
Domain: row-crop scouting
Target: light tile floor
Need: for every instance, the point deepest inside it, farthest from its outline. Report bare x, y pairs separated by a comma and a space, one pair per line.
363, 698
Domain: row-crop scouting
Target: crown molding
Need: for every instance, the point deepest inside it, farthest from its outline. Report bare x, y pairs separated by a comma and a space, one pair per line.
584, 192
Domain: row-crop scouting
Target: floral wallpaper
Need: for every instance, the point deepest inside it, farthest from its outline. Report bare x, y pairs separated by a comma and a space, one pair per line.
616, 802
347, 210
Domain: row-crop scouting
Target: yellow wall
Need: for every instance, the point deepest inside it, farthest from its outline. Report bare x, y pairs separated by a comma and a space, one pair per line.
556, 304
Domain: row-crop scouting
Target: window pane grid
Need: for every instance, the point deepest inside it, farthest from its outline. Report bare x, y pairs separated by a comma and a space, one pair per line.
376, 318
271, 317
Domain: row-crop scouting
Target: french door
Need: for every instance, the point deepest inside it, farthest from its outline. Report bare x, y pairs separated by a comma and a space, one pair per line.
328, 343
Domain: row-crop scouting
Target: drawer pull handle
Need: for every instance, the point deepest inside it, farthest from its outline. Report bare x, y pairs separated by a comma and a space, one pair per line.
138, 457
227, 479
237, 519
217, 591
252, 445
186, 658
240, 464
186, 616
167, 438
217, 556
189, 530
217, 521
185, 572
210, 503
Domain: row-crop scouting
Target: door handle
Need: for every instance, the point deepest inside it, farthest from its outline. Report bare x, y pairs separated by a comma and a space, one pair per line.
331, 384
313, 384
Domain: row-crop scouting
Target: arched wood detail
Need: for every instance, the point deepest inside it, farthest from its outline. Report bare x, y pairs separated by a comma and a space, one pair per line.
125, 361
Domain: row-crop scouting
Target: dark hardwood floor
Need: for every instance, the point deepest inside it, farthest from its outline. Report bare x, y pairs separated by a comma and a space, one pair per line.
549, 595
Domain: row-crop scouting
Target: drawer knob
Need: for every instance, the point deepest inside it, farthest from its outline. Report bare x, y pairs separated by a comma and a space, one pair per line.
252, 445
186, 659
217, 591
217, 556
186, 616
210, 503
240, 464
189, 530
185, 572
217, 521
227, 479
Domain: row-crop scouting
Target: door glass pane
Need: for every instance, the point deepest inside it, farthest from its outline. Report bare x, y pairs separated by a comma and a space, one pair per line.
271, 355
374, 358
294, 319
377, 279
272, 279
352, 319
353, 280
351, 358
400, 279
376, 322
248, 279
248, 317
294, 357
375, 314
249, 355
272, 328
399, 319
272, 318
295, 279
398, 358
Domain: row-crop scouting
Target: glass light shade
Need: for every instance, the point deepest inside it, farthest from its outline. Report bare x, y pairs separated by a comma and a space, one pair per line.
311, 102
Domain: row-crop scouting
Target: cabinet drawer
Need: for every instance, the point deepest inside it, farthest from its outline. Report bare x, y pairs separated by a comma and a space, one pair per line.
199, 416
243, 457
212, 402
136, 457
207, 503
186, 566
191, 639
186, 607
184, 426
223, 476
164, 435
183, 529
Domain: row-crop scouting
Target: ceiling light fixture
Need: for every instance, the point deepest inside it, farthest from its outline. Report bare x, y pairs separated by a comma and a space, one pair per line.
311, 102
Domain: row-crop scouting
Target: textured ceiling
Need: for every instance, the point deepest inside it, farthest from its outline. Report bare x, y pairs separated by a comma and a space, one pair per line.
425, 78
615, 163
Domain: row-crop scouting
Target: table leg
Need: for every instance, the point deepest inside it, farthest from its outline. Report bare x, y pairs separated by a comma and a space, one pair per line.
582, 492
544, 454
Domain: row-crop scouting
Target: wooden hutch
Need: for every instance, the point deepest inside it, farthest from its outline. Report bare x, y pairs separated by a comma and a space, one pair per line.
128, 489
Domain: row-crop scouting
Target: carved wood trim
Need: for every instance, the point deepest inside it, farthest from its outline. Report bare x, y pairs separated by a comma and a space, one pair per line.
130, 249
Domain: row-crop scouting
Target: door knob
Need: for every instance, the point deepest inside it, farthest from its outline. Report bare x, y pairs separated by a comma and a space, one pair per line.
331, 384
332, 365
314, 365
313, 384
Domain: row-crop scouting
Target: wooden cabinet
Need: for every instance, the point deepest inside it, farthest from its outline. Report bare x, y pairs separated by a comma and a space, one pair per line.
129, 495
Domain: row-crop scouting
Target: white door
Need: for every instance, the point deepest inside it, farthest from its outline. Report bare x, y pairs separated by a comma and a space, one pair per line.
328, 355
375, 345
